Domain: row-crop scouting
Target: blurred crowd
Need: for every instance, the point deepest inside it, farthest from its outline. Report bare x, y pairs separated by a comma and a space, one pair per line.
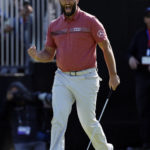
16, 26
25, 118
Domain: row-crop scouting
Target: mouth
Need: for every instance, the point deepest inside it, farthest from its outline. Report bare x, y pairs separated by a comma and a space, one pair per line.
68, 8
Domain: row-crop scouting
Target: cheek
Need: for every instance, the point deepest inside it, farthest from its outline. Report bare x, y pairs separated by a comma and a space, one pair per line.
148, 21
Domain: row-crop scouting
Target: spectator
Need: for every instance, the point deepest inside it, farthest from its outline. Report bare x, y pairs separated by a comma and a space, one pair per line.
139, 60
5, 28
25, 21
26, 17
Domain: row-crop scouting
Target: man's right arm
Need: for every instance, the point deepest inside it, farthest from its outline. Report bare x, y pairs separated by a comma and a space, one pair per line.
44, 56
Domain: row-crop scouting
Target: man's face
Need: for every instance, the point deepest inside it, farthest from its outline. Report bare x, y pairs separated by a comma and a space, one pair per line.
147, 21
68, 7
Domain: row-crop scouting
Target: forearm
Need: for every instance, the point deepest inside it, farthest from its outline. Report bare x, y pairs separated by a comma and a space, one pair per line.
44, 56
110, 61
109, 57
114, 80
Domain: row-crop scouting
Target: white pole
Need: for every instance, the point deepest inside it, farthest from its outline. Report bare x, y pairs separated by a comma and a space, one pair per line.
12, 33
43, 21
33, 23
38, 25
17, 32
2, 32
7, 35
22, 38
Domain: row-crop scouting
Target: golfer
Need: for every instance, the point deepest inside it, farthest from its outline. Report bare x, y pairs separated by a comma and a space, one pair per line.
73, 38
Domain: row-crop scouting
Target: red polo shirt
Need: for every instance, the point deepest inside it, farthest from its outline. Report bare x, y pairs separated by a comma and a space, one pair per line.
75, 40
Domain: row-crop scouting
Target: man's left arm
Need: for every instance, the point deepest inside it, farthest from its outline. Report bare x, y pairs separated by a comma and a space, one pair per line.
114, 80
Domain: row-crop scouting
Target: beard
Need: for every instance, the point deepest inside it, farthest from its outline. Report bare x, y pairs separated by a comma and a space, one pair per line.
70, 13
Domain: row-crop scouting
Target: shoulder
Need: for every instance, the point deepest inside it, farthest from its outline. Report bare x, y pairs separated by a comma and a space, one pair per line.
56, 22
139, 34
91, 19
87, 15
140, 31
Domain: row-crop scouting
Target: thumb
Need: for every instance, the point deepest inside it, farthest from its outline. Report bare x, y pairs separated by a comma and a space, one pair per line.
33, 47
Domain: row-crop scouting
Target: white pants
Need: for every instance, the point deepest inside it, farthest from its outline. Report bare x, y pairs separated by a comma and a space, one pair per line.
83, 90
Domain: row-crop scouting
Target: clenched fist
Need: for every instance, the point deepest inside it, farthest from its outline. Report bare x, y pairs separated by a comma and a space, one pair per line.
114, 82
32, 52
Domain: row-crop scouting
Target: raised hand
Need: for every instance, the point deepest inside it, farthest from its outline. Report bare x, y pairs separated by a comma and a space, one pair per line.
32, 52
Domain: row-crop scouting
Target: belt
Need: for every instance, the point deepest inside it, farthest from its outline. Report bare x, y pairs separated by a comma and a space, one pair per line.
79, 73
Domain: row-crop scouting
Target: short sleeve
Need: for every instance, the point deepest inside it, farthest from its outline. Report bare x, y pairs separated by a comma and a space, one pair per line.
98, 31
49, 39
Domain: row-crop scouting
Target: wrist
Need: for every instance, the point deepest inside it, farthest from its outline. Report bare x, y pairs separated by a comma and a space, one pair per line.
113, 74
36, 57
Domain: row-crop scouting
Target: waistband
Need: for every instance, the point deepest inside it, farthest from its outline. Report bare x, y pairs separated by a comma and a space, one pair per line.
79, 73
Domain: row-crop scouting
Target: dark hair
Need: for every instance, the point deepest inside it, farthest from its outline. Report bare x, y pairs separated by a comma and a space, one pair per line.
23, 92
20, 86
147, 12
26, 2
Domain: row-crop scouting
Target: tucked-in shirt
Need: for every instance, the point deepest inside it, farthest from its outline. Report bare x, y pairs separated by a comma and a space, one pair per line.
75, 40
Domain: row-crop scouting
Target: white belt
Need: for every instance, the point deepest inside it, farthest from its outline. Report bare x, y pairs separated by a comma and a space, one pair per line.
79, 73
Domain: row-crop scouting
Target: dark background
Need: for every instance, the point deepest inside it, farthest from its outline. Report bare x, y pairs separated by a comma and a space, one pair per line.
121, 18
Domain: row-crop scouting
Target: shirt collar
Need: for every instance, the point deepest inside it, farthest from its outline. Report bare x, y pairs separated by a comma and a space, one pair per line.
76, 15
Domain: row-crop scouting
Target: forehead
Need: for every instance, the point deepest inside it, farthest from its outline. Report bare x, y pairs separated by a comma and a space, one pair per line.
69, 0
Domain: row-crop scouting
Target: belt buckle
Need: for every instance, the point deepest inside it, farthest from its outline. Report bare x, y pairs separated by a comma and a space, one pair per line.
73, 73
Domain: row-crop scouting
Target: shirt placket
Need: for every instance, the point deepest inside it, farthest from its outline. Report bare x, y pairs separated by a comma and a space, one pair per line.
68, 35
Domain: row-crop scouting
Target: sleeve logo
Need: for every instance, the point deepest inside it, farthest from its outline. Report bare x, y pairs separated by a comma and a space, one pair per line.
101, 34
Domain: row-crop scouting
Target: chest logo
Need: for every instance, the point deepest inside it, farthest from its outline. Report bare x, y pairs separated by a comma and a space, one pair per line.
71, 30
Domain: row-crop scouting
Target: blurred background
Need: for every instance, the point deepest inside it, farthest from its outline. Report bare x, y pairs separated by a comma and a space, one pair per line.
24, 23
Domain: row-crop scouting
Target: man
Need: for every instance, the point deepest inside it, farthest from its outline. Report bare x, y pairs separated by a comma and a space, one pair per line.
26, 18
73, 37
139, 60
